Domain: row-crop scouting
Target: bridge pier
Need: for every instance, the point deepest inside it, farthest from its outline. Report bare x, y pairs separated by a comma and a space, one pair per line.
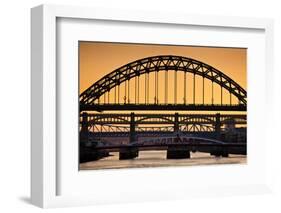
84, 133
176, 123
88, 154
177, 152
223, 152
133, 134
218, 126
130, 153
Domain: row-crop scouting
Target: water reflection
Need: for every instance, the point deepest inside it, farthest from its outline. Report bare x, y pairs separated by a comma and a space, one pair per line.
158, 159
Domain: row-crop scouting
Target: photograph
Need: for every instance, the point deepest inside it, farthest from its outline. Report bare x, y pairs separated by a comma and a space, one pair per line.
161, 105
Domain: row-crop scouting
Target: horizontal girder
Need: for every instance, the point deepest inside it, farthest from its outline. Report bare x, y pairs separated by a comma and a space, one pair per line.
125, 118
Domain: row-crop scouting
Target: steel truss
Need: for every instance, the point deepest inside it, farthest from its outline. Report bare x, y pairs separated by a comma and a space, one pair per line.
90, 98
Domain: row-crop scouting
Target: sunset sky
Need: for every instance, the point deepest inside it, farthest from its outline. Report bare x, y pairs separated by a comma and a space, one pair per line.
98, 59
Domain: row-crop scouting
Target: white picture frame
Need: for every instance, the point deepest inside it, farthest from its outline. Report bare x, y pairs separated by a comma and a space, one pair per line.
45, 152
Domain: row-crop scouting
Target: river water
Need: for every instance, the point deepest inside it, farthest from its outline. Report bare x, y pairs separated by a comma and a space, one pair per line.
158, 159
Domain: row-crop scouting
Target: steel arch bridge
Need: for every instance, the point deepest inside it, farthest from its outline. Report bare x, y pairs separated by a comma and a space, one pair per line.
155, 125
109, 129
187, 143
120, 118
110, 84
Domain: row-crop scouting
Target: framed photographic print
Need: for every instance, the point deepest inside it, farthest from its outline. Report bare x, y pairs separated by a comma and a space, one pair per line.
147, 106
162, 105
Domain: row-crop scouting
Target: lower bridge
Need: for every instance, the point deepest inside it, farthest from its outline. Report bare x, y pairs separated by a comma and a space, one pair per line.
177, 147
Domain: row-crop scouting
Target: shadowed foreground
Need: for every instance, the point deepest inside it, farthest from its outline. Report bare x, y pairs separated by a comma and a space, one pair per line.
158, 159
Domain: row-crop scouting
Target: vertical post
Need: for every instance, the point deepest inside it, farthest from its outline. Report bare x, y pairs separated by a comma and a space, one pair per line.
193, 88
118, 89
118, 94
85, 124
125, 92
132, 128
147, 88
175, 87
203, 88
135, 90
84, 133
221, 95
101, 126
176, 123
166, 87
115, 88
184, 92
128, 91
157, 98
155, 88
108, 97
212, 92
138, 89
218, 126
130, 152
177, 152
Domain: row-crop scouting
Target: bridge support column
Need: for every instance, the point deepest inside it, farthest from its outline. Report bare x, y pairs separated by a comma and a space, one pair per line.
176, 123
87, 153
218, 126
177, 151
130, 153
84, 133
133, 135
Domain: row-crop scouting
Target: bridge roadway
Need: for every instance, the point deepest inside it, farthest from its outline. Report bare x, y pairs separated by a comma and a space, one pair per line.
163, 107
127, 118
126, 134
192, 146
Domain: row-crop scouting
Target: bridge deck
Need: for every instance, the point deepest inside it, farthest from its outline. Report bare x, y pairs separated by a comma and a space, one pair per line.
163, 107
157, 145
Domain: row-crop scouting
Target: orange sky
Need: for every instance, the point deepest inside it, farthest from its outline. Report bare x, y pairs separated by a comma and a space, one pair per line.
98, 59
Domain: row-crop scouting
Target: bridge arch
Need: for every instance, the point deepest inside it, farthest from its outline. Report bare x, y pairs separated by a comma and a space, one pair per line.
159, 64
164, 119
111, 118
198, 119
